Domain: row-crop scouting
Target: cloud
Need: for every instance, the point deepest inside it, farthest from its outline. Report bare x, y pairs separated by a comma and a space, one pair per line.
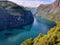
31, 3
27, 3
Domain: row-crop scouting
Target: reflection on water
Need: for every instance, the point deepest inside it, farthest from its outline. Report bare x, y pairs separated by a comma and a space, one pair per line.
20, 35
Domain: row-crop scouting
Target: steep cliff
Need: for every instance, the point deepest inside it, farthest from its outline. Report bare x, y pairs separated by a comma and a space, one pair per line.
14, 16
49, 11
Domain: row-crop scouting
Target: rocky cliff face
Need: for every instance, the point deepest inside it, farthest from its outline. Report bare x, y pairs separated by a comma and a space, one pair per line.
14, 16
49, 11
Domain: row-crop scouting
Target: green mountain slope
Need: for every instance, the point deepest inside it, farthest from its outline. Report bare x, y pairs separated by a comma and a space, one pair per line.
14, 16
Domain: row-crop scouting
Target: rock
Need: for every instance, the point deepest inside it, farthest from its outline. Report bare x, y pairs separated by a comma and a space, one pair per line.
14, 16
50, 11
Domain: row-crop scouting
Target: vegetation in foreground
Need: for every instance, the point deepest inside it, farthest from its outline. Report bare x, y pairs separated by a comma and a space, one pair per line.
51, 38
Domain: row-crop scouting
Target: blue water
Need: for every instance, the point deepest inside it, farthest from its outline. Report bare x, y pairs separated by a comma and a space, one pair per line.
19, 35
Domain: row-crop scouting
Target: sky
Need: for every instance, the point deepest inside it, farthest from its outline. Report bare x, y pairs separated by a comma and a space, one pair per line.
31, 3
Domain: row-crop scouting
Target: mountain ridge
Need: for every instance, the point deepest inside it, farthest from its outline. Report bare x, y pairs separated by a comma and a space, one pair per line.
14, 16
50, 11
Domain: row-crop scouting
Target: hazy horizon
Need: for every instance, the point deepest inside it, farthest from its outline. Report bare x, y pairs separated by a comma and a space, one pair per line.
32, 3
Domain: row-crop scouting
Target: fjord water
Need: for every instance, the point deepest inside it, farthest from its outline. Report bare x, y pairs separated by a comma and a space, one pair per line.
17, 36
20, 35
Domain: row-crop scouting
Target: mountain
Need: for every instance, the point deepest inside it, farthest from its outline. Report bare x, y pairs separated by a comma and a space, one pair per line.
49, 11
32, 9
14, 16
